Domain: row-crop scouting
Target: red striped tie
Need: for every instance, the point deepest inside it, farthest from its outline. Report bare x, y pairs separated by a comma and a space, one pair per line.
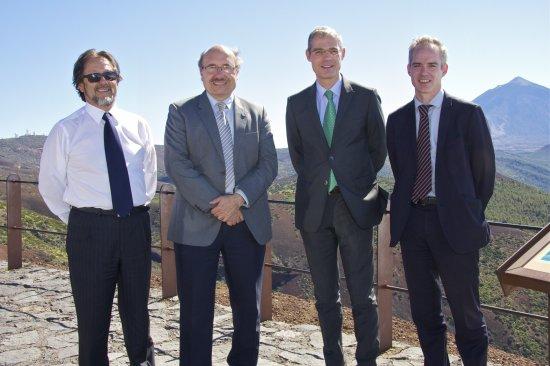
423, 183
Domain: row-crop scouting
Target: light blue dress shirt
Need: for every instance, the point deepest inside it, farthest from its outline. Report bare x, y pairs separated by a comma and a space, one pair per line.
322, 100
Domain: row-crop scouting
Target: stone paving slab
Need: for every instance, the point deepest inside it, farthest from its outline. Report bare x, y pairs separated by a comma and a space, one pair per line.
38, 327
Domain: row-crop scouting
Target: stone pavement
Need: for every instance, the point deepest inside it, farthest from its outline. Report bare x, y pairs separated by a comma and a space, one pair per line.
38, 327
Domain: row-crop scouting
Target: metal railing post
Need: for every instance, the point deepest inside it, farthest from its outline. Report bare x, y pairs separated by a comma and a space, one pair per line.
13, 221
168, 260
384, 267
266, 305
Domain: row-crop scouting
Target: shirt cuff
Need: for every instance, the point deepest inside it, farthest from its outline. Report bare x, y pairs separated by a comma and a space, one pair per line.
241, 193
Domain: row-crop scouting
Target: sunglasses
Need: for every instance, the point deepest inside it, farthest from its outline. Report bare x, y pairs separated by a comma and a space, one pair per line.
96, 76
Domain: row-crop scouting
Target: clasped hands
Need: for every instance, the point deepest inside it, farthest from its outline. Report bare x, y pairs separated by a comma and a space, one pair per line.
227, 208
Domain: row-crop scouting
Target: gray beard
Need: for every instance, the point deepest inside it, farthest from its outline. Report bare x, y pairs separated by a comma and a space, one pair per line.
104, 101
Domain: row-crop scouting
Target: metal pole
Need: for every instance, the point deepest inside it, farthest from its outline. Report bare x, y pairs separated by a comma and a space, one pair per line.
13, 221
266, 308
168, 260
384, 267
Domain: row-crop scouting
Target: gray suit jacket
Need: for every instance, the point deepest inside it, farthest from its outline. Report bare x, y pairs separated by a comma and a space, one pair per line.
357, 153
194, 161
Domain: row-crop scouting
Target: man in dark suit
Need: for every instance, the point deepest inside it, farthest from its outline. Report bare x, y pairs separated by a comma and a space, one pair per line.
336, 141
443, 162
219, 152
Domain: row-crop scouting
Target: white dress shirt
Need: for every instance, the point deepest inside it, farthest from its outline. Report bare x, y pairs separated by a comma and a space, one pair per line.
322, 100
433, 115
73, 169
229, 113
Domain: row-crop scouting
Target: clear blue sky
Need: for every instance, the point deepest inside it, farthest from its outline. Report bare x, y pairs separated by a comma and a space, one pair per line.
157, 44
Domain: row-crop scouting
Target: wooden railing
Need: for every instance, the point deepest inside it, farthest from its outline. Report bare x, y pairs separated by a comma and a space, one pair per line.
384, 258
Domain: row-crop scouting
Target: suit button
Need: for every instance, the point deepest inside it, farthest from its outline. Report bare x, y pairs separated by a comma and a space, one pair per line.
331, 158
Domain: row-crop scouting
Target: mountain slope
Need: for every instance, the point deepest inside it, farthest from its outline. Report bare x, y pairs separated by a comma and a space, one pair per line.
518, 113
531, 168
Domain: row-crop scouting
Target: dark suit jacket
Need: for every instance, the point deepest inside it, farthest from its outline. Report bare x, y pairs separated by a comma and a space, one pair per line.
464, 171
194, 161
357, 153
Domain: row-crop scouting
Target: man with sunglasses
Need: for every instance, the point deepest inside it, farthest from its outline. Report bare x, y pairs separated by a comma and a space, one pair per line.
219, 152
98, 174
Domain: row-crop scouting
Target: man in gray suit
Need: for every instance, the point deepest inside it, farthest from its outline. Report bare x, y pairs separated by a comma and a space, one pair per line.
336, 141
219, 152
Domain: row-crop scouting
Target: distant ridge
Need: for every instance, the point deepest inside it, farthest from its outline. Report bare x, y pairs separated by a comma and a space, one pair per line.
518, 113
21, 155
542, 154
531, 168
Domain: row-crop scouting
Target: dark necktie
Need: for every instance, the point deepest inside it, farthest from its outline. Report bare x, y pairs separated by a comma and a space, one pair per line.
329, 120
423, 183
119, 181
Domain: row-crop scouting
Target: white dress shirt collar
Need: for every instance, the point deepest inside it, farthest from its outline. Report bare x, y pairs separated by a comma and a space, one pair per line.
97, 113
436, 101
228, 101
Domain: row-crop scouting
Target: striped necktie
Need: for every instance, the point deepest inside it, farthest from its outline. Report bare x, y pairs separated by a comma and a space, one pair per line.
227, 147
423, 182
329, 120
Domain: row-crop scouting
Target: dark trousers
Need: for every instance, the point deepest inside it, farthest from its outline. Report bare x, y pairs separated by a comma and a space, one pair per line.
339, 230
196, 269
427, 256
103, 252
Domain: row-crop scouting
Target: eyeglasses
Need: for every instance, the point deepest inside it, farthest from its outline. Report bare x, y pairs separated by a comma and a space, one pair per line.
96, 76
212, 69
324, 51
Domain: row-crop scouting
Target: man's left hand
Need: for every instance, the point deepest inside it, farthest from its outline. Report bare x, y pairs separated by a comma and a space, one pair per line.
226, 207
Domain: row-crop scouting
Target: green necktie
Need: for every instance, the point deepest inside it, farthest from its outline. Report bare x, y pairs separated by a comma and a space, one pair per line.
328, 126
